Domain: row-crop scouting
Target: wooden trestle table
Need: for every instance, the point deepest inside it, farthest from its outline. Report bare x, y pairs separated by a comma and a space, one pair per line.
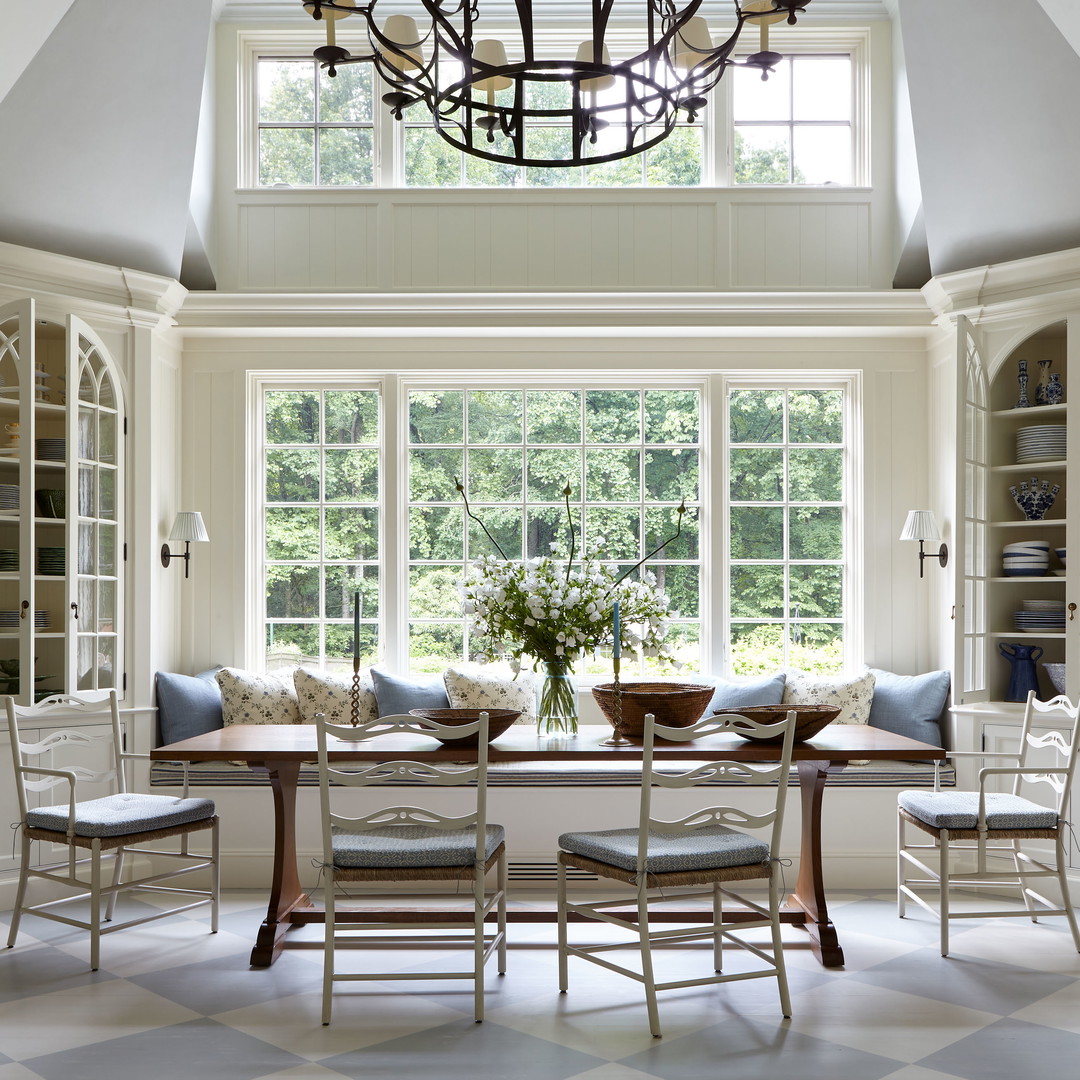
279, 751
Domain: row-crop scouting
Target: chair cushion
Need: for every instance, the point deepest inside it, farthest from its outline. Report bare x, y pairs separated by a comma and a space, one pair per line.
249, 697
404, 847
331, 695
960, 810
397, 694
712, 848
909, 705
730, 695
187, 705
122, 814
483, 686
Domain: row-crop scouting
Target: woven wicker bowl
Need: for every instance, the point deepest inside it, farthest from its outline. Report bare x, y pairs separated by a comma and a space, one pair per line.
673, 704
499, 720
810, 719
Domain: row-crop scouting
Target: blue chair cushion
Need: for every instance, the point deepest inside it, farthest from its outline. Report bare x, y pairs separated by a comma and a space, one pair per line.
397, 694
122, 814
909, 705
187, 705
406, 847
960, 810
712, 848
732, 695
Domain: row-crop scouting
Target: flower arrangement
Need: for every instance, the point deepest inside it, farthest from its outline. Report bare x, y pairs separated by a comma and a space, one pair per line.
555, 611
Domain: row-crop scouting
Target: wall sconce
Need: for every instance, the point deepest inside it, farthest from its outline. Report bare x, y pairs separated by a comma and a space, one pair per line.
920, 525
188, 527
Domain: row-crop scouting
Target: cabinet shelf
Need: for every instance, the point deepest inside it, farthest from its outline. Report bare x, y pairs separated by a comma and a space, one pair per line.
1043, 522
1026, 634
1032, 415
1029, 466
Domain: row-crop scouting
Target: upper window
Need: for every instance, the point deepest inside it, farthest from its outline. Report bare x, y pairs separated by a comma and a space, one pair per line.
796, 127
313, 130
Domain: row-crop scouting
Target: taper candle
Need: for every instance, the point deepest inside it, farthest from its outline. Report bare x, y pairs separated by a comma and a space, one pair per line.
356, 625
617, 651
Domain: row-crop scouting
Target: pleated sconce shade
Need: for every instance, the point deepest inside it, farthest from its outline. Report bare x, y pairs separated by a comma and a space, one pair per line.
920, 525
189, 527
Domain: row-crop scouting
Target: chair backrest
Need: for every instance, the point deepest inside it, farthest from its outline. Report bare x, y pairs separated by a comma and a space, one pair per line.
1058, 742
86, 762
400, 768
660, 774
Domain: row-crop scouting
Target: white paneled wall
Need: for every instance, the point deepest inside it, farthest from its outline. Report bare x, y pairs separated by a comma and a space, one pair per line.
707, 239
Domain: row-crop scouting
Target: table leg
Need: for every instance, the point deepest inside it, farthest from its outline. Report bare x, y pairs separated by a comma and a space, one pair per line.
285, 891
809, 894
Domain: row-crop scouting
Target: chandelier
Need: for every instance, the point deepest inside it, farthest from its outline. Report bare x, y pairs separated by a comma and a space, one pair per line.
500, 109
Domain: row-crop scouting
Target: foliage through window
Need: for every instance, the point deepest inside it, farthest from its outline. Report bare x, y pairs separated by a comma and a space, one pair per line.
786, 489
796, 127
320, 527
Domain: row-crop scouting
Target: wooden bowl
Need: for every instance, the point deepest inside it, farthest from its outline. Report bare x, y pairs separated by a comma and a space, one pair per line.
499, 720
673, 704
810, 719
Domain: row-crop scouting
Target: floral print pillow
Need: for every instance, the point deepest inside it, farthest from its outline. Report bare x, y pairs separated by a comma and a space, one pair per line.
854, 694
478, 686
331, 695
248, 697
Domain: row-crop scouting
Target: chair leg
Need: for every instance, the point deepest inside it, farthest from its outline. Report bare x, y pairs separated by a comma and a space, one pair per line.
215, 876
943, 890
718, 933
564, 981
478, 945
901, 867
328, 945
1025, 894
778, 944
1063, 884
645, 944
20, 893
95, 904
502, 880
118, 873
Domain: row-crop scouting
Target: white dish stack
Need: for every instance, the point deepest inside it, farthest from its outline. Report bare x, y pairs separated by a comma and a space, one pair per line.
1044, 442
1027, 558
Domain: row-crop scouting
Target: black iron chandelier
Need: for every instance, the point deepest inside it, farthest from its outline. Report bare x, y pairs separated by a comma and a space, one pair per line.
492, 107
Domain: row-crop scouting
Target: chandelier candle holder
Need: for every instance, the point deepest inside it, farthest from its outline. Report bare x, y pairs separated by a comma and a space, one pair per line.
354, 718
493, 107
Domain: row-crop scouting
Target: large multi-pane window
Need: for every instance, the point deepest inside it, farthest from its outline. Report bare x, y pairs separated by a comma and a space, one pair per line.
787, 473
313, 130
629, 457
796, 127
320, 527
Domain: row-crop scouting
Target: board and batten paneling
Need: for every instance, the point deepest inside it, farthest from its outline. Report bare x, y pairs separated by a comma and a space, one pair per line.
705, 239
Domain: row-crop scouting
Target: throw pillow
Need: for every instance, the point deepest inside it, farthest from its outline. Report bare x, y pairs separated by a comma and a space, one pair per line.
249, 697
331, 695
853, 693
187, 705
484, 686
910, 705
397, 694
731, 695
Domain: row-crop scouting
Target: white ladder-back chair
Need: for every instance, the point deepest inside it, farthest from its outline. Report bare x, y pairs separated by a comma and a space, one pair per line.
402, 843
981, 838
98, 816
707, 847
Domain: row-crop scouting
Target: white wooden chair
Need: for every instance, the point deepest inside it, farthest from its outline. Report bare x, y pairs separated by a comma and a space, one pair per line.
410, 843
703, 848
99, 816
980, 838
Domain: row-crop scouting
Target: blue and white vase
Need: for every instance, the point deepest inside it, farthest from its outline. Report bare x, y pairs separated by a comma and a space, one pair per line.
1055, 392
1043, 383
1022, 378
1034, 498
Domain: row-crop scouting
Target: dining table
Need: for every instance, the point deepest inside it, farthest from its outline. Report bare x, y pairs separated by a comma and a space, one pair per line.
279, 751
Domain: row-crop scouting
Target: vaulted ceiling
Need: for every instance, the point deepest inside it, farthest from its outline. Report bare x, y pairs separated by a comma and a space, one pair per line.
106, 120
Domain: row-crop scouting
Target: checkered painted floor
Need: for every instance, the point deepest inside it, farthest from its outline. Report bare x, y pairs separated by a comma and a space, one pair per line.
173, 1002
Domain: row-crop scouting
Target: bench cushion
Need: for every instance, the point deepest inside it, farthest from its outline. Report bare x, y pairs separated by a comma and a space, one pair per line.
910, 705
711, 848
960, 810
248, 697
397, 694
187, 705
731, 695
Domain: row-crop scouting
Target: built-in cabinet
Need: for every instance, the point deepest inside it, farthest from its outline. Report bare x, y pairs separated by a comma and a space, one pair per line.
61, 490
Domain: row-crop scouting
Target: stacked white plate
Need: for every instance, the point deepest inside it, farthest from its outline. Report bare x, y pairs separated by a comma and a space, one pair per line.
1044, 442
9, 620
9, 559
9, 496
1028, 558
51, 561
56, 449
1043, 616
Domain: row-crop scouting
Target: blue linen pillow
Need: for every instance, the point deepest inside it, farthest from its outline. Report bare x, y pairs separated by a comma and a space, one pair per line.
732, 695
187, 705
396, 694
910, 705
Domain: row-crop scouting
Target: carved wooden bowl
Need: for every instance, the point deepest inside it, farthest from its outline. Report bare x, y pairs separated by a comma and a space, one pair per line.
499, 720
809, 720
672, 704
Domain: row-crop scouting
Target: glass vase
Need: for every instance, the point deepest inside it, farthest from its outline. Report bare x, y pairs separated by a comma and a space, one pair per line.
557, 708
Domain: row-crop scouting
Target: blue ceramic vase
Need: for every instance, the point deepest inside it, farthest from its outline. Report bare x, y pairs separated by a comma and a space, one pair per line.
1024, 676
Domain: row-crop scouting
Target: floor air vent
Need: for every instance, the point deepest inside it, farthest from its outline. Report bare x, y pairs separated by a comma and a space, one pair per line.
544, 870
